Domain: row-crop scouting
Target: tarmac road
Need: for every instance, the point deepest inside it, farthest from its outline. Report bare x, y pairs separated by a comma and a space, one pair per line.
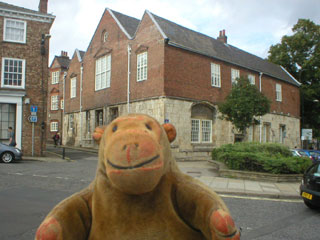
29, 190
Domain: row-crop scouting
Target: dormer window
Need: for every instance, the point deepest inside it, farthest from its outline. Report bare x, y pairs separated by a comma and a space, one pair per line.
14, 30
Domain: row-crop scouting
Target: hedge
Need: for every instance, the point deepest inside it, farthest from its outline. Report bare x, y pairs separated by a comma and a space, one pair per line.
260, 157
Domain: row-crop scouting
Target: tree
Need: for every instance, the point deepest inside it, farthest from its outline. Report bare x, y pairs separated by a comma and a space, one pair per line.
244, 104
300, 55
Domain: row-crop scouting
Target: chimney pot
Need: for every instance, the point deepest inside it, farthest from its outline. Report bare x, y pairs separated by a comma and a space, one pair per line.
222, 36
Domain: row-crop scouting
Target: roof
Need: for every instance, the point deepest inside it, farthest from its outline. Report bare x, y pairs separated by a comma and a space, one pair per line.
185, 38
11, 7
63, 61
130, 24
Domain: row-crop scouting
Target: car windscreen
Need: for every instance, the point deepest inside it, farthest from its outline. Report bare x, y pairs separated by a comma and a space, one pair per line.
303, 154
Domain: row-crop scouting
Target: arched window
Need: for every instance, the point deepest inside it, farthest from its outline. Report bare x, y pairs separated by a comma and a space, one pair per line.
201, 123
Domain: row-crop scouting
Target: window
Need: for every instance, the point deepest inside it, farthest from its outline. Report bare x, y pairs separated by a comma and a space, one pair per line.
282, 133
73, 88
103, 72
55, 77
14, 31
235, 74
54, 102
62, 104
71, 122
8, 119
252, 79
99, 117
88, 122
266, 132
142, 66
278, 93
54, 126
201, 131
251, 130
215, 75
13, 72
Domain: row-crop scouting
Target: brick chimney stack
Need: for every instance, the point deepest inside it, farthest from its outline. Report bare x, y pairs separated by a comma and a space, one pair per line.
64, 54
43, 6
222, 36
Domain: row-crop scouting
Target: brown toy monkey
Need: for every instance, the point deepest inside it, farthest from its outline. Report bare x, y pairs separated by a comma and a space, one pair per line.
139, 193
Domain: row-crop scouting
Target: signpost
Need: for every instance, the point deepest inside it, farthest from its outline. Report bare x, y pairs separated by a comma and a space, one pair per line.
33, 118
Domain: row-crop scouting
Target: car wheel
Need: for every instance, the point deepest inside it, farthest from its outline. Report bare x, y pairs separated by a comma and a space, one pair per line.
7, 157
310, 205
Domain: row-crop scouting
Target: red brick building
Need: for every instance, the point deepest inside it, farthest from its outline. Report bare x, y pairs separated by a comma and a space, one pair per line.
24, 51
160, 68
57, 70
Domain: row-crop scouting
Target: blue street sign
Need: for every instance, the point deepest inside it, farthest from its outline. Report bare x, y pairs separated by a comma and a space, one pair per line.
34, 108
33, 118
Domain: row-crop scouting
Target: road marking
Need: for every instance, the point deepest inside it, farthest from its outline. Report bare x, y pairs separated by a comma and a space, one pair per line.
18, 173
261, 198
35, 175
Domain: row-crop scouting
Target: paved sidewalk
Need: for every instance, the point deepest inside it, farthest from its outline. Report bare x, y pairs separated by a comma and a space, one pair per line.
207, 173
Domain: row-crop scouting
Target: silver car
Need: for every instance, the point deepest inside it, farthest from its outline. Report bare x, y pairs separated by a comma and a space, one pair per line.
9, 154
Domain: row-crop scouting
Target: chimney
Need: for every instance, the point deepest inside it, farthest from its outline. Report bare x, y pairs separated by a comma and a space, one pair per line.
222, 36
64, 54
43, 6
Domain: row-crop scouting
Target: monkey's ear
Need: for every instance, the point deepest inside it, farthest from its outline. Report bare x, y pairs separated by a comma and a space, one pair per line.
170, 130
98, 132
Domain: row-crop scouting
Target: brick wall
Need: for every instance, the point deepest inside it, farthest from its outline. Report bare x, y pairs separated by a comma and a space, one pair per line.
36, 78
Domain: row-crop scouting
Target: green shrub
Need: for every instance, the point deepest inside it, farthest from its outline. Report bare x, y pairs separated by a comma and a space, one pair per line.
266, 157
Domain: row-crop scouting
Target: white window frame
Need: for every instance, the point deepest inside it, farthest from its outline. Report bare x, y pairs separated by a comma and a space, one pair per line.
201, 131
6, 34
54, 102
55, 77
103, 72
54, 126
215, 75
278, 93
252, 79
235, 73
142, 66
62, 104
73, 87
22, 73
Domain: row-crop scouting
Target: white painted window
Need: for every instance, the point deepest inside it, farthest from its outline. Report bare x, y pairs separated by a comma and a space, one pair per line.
235, 74
278, 93
215, 75
55, 77
54, 102
54, 126
14, 30
13, 73
62, 104
103, 72
201, 131
142, 66
73, 87
252, 79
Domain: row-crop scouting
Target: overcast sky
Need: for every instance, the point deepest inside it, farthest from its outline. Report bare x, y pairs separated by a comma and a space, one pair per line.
251, 25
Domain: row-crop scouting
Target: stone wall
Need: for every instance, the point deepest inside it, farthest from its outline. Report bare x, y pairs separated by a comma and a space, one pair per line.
178, 112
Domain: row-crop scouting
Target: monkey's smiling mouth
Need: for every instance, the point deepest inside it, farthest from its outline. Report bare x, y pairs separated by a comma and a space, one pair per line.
134, 166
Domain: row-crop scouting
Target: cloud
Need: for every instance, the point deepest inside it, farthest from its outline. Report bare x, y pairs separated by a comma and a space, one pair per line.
250, 25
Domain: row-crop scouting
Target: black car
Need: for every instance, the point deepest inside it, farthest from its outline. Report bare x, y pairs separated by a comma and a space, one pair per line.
310, 186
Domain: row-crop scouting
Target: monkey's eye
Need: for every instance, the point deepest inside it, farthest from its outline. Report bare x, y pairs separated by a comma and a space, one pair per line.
115, 127
148, 126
